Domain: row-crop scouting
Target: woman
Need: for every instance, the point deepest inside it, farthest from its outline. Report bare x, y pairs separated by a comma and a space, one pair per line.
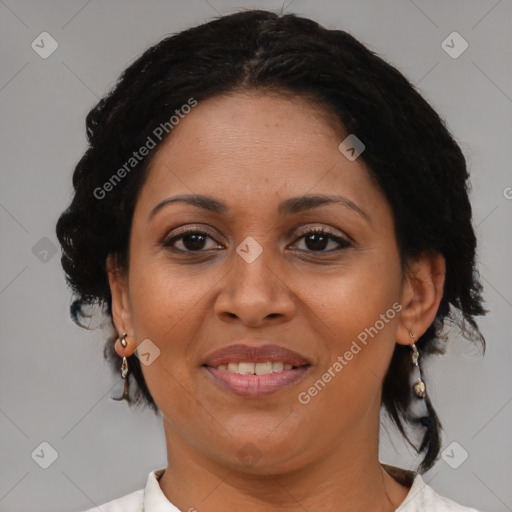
278, 225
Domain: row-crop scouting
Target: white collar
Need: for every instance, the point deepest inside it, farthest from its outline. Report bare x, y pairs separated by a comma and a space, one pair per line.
419, 495
413, 497
154, 498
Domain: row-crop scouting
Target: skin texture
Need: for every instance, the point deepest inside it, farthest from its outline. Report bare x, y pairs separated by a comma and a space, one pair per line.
252, 151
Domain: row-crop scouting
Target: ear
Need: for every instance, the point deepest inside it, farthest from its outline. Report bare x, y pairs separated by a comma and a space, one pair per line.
421, 295
121, 312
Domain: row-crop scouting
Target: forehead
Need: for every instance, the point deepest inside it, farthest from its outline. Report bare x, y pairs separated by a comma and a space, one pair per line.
256, 148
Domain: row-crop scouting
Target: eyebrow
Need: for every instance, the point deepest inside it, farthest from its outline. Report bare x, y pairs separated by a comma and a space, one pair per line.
287, 207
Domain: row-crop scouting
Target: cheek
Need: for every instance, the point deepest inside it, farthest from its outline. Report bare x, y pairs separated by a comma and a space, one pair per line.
164, 296
352, 297
348, 384
166, 308
356, 314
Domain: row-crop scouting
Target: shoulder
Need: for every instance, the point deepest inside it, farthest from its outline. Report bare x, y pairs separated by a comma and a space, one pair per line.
133, 502
422, 497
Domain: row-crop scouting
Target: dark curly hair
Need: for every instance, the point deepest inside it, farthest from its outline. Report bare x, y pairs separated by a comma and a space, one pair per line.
409, 152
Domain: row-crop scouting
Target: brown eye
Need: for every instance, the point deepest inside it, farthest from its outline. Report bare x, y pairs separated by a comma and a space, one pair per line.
192, 240
317, 240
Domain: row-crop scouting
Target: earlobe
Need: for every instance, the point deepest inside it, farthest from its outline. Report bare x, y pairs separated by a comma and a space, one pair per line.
421, 295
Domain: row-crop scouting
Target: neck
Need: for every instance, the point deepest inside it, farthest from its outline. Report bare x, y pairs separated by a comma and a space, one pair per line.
348, 477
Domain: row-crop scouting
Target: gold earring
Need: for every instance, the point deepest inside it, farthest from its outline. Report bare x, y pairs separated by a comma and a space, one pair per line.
124, 373
419, 386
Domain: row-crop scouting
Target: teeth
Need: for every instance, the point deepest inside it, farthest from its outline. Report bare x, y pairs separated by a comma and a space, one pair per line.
247, 368
277, 366
263, 368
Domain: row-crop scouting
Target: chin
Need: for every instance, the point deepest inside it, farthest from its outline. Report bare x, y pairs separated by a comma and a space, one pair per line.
264, 454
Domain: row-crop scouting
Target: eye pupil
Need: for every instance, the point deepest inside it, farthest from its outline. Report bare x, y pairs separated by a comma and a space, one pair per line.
194, 241
319, 240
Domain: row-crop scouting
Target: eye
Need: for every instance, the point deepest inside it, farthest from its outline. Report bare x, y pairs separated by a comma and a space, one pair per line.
191, 240
195, 240
318, 239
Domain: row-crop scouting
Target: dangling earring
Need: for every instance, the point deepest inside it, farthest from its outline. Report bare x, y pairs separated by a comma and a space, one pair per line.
124, 373
419, 386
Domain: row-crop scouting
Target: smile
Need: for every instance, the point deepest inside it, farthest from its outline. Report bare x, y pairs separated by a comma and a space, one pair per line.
264, 368
254, 380
252, 371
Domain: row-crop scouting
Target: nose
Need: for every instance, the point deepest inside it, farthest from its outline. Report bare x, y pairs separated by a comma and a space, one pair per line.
255, 293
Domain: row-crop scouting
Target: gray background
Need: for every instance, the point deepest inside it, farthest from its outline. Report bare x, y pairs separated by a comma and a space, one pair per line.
55, 386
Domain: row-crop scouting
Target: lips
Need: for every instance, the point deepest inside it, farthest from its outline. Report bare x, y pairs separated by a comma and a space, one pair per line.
255, 372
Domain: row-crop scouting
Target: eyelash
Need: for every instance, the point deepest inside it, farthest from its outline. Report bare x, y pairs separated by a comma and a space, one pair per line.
344, 244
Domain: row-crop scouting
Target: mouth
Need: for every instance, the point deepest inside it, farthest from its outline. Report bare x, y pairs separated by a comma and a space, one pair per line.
251, 368
256, 371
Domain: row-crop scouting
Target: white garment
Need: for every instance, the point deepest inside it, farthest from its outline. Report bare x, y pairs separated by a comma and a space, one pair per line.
421, 498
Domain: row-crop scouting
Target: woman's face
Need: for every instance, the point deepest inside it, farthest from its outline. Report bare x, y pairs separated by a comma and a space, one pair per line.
258, 276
